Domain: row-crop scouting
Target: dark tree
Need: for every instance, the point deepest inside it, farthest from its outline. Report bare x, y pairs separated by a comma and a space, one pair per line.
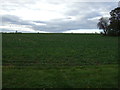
114, 27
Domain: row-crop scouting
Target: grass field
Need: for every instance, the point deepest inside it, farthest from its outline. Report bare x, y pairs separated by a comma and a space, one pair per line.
59, 61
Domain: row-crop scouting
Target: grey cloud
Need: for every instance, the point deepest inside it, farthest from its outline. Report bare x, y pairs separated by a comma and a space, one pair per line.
60, 26
12, 19
89, 7
39, 21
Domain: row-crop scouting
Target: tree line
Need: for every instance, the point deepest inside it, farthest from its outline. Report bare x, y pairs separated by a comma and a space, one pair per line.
110, 26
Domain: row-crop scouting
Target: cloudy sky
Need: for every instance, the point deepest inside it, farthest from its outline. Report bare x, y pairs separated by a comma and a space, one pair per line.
53, 16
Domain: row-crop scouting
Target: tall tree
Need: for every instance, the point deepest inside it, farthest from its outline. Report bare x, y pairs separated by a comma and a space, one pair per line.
115, 21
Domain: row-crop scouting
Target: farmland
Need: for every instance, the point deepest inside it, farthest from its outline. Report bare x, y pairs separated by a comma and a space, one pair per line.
57, 60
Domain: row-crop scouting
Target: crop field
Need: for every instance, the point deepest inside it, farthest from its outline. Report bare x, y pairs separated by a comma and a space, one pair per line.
57, 60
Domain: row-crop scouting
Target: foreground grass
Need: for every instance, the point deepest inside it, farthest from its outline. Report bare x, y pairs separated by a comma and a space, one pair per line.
59, 60
104, 76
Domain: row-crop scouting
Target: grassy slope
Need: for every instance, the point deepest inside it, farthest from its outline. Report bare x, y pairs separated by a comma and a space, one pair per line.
59, 60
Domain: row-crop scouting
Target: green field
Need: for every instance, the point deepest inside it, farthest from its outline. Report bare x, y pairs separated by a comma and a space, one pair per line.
59, 61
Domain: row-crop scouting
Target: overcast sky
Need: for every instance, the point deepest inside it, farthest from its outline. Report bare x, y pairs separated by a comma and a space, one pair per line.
57, 16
